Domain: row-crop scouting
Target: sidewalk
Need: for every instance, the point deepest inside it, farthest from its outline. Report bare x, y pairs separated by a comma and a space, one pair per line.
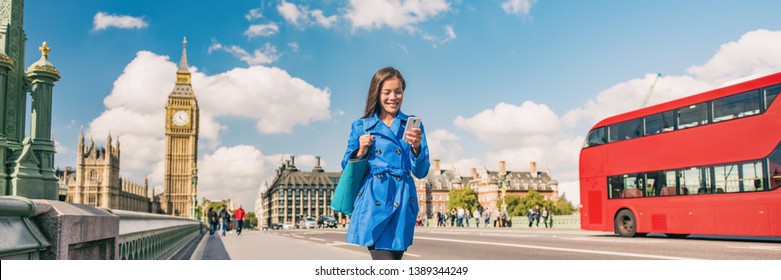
263, 245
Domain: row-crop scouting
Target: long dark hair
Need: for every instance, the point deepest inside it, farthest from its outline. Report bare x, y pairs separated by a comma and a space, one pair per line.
373, 98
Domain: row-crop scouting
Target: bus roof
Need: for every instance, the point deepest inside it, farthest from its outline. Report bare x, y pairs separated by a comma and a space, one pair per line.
693, 99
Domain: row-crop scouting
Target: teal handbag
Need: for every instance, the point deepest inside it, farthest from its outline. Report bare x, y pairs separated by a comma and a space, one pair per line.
348, 186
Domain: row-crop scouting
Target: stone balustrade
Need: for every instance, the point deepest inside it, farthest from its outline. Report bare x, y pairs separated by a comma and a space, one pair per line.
47, 229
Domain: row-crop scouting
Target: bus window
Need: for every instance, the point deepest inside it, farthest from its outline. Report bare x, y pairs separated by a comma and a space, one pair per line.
693, 115
770, 94
736, 106
634, 185
669, 183
727, 179
616, 185
655, 181
696, 180
659, 123
751, 176
626, 130
775, 168
595, 137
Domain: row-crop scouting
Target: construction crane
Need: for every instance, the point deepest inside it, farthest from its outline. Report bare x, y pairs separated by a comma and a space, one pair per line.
650, 91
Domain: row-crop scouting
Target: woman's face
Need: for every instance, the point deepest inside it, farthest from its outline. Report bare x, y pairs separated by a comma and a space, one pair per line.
391, 96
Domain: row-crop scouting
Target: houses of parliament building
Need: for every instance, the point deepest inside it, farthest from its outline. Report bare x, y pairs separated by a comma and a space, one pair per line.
96, 181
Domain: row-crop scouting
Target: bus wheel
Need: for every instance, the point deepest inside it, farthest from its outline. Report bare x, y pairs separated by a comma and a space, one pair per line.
626, 224
677, 235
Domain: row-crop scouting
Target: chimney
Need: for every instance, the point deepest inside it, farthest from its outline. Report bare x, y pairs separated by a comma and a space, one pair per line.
317, 167
533, 169
436, 165
502, 167
474, 173
292, 161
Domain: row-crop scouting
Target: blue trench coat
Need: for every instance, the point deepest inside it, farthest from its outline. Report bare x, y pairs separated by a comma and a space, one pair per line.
387, 203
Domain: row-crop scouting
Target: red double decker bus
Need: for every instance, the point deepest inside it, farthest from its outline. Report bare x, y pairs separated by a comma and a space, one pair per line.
704, 164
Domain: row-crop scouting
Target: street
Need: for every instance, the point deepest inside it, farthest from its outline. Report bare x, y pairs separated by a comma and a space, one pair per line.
501, 244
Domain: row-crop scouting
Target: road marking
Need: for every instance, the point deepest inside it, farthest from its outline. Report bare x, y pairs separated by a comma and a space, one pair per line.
297, 236
338, 243
614, 240
412, 255
559, 249
773, 248
316, 239
507, 235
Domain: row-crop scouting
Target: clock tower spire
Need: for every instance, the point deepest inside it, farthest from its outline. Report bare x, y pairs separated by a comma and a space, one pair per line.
181, 144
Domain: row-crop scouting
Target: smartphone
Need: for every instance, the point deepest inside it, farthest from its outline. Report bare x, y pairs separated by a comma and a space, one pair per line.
412, 122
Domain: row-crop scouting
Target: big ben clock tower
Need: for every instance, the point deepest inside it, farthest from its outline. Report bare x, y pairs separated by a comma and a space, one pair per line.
181, 144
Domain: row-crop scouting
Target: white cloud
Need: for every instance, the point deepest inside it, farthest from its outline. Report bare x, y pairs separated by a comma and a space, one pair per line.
293, 46
59, 148
507, 125
444, 145
404, 14
629, 95
755, 53
269, 95
265, 30
301, 15
324, 21
290, 12
266, 55
135, 108
254, 14
235, 173
103, 21
518, 7
450, 35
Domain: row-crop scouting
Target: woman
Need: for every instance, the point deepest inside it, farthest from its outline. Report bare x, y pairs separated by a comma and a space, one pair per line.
386, 206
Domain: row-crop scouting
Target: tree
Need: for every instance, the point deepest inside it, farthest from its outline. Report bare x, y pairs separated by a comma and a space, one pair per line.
463, 197
519, 206
251, 221
563, 207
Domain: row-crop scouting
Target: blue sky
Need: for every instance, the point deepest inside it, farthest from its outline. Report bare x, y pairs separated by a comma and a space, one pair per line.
494, 80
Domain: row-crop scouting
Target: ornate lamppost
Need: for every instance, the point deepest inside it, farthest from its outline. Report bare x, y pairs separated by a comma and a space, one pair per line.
195, 191
504, 190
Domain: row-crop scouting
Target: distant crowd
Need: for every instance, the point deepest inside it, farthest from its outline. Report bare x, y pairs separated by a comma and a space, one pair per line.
459, 217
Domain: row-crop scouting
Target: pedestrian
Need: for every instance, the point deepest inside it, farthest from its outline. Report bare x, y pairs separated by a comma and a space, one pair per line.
545, 216
452, 217
460, 213
550, 220
239, 216
530, 216
477, 216
537, 215
224, 218
384, 216
212, 217
466, 217
487, 217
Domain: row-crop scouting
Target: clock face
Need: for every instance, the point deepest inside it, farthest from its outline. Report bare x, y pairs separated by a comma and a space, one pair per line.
180, 118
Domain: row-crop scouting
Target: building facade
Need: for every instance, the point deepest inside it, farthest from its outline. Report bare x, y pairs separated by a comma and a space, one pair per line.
296, 194
181, 144
96, 181
27, 160
490, 186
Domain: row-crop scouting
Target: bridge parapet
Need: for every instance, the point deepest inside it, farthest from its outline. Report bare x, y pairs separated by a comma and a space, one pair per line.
46, 229
20, 238
144, 236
